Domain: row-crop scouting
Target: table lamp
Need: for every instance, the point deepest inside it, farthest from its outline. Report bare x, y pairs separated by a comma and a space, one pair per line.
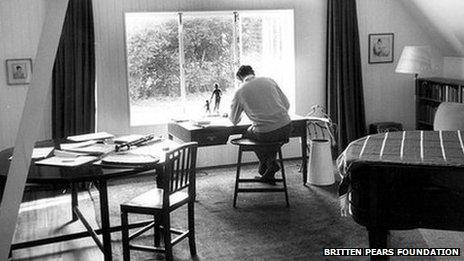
415, 60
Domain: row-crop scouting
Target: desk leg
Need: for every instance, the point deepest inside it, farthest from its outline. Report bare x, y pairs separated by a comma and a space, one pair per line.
304, 154
74, 200
105, 219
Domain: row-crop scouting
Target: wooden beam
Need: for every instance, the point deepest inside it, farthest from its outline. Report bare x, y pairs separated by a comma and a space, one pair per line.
34, 108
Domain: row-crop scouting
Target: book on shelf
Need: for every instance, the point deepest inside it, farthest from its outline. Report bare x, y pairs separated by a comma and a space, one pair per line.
427, 113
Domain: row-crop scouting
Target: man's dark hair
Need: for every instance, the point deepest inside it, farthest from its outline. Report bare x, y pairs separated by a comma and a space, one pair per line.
244, 71
18, 67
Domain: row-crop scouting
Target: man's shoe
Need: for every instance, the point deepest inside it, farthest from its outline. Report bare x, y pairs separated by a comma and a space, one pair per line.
270, 172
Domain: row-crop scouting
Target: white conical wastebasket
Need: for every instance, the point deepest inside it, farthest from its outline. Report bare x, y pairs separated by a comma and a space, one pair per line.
320, 163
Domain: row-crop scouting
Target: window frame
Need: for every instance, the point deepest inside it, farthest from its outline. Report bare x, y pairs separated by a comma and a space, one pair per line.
237, 52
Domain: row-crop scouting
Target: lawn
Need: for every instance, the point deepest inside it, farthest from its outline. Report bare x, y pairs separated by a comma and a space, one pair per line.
161, 110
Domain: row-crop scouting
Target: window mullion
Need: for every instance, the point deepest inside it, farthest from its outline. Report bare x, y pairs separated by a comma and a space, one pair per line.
183, 91
237, 42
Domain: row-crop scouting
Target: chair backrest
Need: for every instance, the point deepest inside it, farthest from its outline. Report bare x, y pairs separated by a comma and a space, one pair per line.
449, 116
180, 169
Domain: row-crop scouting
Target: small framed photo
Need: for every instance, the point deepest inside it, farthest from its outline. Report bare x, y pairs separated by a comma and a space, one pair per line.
19, 71
381, 48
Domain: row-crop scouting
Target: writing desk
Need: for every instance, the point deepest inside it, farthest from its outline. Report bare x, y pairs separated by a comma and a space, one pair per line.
221, 128
97, 173
405, 180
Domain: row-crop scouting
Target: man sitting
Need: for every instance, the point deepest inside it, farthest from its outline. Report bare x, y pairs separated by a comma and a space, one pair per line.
267, 107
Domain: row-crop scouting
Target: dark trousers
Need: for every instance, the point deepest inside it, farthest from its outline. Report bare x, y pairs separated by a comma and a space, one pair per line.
267, 156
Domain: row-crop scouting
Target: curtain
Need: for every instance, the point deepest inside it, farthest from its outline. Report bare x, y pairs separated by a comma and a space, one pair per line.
73, 82
345, 101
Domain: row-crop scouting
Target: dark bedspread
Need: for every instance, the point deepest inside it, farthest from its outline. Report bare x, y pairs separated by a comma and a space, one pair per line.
441, 149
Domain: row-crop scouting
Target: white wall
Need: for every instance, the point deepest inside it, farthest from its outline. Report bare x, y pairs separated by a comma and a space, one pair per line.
20, 27
113, 105
446, 18
453, 67
389, 96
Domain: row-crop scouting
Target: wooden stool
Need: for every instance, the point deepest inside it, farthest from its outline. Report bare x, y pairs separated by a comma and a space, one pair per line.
250, 145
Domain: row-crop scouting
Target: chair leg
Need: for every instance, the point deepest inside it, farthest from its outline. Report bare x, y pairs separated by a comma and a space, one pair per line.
166, 220
191, 228
282, 169
237, 177
157, 230
74, 200
125, 236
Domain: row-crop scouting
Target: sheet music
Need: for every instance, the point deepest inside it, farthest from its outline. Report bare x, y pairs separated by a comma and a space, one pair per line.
39, 153
91, 136
66, 162
68, 146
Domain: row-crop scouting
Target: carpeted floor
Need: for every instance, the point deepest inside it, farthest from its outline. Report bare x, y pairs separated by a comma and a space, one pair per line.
261, 228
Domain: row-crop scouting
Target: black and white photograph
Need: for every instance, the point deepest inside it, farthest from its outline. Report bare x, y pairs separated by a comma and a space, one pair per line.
381, 48
231, 130
19, 71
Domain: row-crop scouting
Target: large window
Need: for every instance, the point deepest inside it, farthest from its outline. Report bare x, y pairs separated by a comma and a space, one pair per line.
175, 59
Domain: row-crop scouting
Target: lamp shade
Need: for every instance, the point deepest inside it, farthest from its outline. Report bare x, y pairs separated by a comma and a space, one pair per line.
414, 59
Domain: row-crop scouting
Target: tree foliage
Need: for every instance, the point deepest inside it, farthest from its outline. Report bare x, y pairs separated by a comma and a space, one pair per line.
153, 57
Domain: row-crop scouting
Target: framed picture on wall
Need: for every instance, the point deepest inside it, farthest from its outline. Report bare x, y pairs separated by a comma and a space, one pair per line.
19, 71
381, 48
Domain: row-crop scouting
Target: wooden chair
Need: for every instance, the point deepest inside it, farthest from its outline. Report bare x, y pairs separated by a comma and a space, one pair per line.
250, 145
178, 181
449, 116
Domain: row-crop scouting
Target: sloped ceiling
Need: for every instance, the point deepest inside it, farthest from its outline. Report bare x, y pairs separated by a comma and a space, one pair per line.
444, 19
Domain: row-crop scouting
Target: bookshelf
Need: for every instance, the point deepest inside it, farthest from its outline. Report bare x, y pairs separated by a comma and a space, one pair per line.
430, 92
